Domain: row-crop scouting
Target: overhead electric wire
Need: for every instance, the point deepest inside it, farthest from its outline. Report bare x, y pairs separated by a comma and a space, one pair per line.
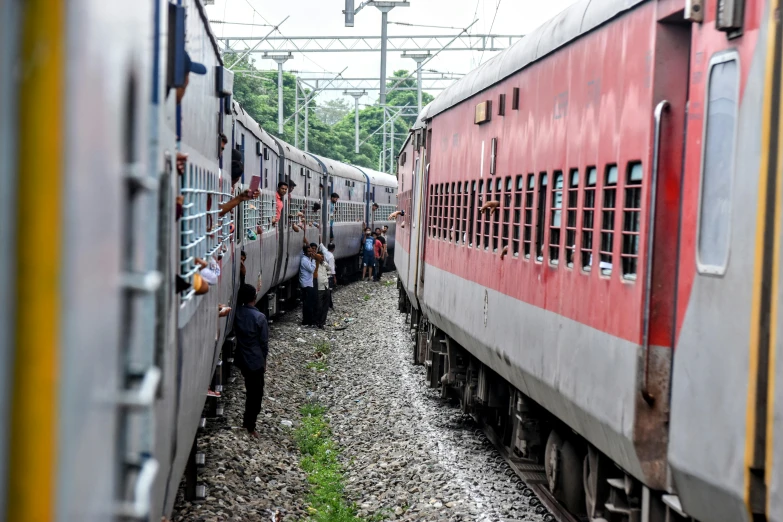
237, 23
422, 25
497, 6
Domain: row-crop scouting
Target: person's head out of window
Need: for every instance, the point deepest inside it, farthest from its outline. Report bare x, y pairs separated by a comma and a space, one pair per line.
335, 197
247, 295
237, 167
282, 188
190, 67
375, 206
316, 207
223, 142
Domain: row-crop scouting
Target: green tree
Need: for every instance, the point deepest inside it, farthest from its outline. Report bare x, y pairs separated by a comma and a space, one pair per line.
328, 135
332, 111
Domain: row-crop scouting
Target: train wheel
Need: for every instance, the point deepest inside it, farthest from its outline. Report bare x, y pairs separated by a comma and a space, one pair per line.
564, 464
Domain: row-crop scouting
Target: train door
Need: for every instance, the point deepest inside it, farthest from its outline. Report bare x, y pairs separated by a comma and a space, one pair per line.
727, 266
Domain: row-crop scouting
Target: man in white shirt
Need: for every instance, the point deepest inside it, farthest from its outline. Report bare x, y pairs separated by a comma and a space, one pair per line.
328, 253
322, 281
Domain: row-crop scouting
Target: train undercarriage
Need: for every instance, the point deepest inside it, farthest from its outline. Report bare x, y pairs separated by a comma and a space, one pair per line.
569, 475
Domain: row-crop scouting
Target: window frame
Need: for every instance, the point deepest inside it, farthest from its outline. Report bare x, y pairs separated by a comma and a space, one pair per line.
718, 58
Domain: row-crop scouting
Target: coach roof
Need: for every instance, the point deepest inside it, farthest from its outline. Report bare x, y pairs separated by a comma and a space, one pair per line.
580, 18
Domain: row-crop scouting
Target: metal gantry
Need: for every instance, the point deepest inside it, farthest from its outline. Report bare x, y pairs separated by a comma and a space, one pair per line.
372, 44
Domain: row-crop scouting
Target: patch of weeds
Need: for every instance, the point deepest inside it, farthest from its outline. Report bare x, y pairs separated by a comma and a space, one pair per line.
320, 460
322, 348
317, 365
389, 283
366, 297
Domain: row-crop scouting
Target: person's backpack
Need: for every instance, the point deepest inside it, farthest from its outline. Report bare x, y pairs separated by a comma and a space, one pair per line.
369, 244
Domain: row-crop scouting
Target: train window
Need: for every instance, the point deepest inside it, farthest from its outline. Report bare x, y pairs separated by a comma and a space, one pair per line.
588, 218
571, 210
446, 212
515, 99
555, 218
717, 168
452, 213
486, 219
529, 196
472, 215
518, 193
432, 211
266, 178
540, 215
289, 171
607, 220
632, 209
507, 200
266, 153
465, 207
502, 105
480, 215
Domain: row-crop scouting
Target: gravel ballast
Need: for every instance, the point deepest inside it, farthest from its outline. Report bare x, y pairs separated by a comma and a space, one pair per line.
407, 454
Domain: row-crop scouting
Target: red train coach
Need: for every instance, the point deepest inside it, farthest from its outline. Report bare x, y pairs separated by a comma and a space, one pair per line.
607, 142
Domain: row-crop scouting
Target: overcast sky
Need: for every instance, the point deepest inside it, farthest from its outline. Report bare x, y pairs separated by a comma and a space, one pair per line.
325, 18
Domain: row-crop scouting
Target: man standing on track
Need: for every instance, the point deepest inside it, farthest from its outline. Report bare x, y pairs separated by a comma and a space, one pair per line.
379, 256
252, 332
368, 254
309, 296
328, 254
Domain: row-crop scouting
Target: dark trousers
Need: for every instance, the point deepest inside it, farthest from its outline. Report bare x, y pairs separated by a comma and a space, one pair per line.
309, 305
254, 392
323, 306
378, 269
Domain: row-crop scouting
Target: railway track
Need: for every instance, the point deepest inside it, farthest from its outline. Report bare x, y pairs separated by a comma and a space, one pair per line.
533, 481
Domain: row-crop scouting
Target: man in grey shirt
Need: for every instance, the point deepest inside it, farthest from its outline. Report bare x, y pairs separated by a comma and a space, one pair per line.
252, 333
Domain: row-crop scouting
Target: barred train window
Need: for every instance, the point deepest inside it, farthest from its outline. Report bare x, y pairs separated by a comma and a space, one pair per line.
588, 218
718, 164
529, 195
554, 224
607, 219
520, 187
572, 205
541, 218
632, 220
471, 218
506, 211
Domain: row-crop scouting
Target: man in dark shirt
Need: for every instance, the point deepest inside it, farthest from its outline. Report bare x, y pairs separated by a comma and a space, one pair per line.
252, 334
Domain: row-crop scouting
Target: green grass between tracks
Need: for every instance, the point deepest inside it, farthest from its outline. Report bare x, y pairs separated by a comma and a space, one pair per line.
320, 462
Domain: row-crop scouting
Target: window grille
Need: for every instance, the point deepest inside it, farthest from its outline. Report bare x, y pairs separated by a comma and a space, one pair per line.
471, 218
588, 218
555, 218
518, 194
192, 224
506, 209
527, 240
495, 216
541, 215
607, 220
632, 209
571, 210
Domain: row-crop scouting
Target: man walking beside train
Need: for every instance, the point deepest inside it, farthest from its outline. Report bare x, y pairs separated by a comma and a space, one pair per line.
252, 333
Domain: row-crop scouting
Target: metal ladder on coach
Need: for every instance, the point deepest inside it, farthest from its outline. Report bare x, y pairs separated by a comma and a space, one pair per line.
140, 375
